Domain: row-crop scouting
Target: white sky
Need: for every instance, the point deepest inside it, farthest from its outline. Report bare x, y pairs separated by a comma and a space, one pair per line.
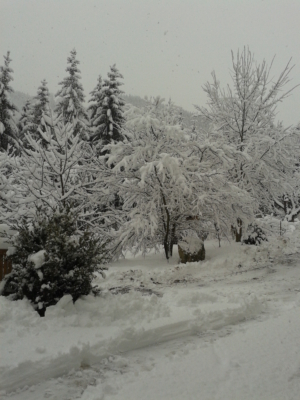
162, 47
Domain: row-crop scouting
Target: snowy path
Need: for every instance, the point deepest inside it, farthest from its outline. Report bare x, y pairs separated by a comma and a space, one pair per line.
228, 328
254, 360
260, 360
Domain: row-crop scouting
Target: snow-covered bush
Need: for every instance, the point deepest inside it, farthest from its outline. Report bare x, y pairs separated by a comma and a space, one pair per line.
52, 259
284, 244
256, 235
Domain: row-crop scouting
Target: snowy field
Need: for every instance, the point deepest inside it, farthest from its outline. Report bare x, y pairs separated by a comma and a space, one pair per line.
225, 328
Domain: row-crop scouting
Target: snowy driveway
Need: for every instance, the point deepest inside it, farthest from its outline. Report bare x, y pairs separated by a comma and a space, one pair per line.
227, 328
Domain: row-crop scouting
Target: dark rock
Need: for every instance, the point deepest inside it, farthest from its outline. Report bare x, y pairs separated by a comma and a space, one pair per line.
191, 249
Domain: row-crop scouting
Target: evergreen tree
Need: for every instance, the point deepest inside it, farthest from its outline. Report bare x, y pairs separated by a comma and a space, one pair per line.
40, 108
42, 102
7, 108
52, 259
25, 123
107, 115
94, 109
31, 118
70, 106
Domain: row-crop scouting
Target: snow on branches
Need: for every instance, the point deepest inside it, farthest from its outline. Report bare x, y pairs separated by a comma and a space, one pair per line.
107, 115
7, 108
71, 98
244, 116
171, 180
51, 173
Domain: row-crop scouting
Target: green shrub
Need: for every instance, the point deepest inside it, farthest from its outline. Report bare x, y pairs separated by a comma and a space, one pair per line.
255, 235
52, 259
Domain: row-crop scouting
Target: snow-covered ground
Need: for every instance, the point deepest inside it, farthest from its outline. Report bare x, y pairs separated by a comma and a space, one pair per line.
225, 328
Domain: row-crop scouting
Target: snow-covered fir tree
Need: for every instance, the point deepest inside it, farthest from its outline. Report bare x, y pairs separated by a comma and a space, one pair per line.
70, 106
95, 112
171, 180
244, 116
32, 112
70, 259
107, 109
25, 122
8, 127
5, 180
41, 104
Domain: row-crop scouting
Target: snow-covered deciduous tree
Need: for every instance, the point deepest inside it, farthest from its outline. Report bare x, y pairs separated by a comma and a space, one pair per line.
288, 205
71, 98
52, 173
243, 115
7, 108
107, 106
171, 180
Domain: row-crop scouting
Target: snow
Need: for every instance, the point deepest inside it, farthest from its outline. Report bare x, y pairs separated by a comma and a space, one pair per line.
225, 328
4, 229
191, 244
38, 258
2, 128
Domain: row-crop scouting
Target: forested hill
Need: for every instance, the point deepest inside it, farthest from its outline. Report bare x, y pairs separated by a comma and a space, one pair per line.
187, 117
20, 98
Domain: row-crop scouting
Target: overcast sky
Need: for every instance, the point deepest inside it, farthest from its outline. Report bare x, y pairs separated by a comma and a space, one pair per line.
162, 47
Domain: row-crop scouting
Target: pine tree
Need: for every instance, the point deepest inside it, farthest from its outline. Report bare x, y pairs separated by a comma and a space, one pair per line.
31, 118
42, 102
70, 106
40, 108
25, 123
95, 114
53, 258
107, 111
7, 109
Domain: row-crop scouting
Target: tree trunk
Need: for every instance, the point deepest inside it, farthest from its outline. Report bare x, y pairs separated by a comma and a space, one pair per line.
237, 230
173, 239
4, 141
166, 247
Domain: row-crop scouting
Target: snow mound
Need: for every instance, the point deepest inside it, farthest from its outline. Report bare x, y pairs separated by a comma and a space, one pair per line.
191, 244
38, 258
107, 309
84, 333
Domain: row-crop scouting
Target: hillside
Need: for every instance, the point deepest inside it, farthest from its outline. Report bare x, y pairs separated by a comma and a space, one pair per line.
20, 98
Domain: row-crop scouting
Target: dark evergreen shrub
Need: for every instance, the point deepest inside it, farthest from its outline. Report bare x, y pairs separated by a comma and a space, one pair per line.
255, 236
68, 259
